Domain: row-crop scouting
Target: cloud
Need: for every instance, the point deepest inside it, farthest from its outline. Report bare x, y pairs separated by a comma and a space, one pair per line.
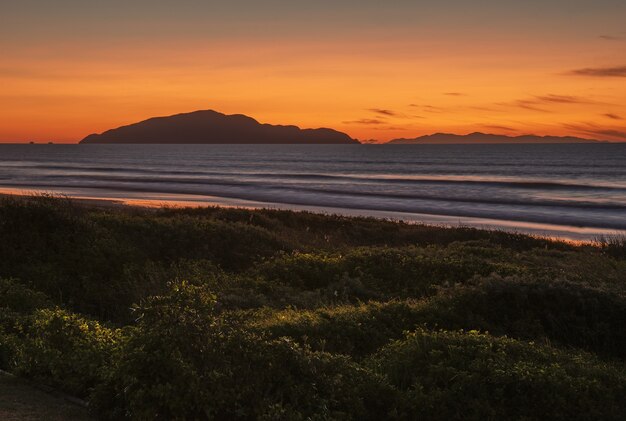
527, 104
563, 99
599, 133
454, 94
428, 108
539, 102
618, 71
496, 127
615, 133
390, 128
612, 37
371, 121
382, 111
479, 108
613, 116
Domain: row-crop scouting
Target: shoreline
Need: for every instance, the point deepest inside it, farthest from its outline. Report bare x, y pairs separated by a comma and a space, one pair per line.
563, 233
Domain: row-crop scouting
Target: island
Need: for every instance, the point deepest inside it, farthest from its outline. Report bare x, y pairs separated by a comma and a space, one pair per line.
212, 127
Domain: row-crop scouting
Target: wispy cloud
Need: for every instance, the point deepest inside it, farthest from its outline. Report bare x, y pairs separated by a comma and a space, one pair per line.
527, 104
541, 103
496, 127
428, 108
369, 121
617, 71
382, 111
613, 116
613, 37
481, 108
563, 99
598, 132
454, 94
390, 128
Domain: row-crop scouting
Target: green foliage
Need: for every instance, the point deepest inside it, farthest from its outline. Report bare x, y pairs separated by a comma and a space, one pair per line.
456, 375
64, 350
375, 272
185, 362
560, 312
20, 299
557, 312
350, 330
235, 314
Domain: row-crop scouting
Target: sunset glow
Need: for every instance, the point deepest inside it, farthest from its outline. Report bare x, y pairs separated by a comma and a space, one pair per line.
68, 70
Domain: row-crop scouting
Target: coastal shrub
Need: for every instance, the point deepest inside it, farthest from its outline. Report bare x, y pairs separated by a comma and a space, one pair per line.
16, 297
458, 375
380, 272
7, 350
351, 330
559, 312
16, 303
87, 258
185, 362
64, 350
282, 315
309, 231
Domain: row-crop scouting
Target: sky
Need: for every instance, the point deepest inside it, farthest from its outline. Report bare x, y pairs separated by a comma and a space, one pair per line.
373, 69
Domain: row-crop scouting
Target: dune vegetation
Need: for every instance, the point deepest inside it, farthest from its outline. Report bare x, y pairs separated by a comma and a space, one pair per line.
214, 313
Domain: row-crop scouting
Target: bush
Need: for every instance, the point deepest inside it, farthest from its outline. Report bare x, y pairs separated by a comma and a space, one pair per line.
185, 362
20, 299
214, 346
64, 350
366, 273
349, 330
456, 375
560, 312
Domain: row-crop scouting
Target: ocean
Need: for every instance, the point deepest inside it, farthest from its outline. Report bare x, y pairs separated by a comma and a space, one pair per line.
575, 191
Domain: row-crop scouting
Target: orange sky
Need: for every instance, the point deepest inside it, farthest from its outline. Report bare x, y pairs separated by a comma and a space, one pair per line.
372, 80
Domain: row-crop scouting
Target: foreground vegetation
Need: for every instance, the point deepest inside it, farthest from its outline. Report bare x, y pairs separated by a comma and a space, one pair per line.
235, 314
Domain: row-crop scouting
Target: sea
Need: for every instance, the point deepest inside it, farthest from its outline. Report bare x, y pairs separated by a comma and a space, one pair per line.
570, 191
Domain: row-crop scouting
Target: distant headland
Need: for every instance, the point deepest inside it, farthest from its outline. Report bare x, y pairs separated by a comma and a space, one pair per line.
211, 127
485, 139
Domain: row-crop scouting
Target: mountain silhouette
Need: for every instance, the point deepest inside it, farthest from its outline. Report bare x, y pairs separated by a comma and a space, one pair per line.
211, 127
484, 138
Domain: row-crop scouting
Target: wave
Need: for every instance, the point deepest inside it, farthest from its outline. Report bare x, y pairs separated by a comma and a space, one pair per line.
171, 176
524, 214
204, 187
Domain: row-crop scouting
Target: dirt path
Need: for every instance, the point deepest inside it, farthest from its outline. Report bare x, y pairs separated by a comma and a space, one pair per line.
21, 402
